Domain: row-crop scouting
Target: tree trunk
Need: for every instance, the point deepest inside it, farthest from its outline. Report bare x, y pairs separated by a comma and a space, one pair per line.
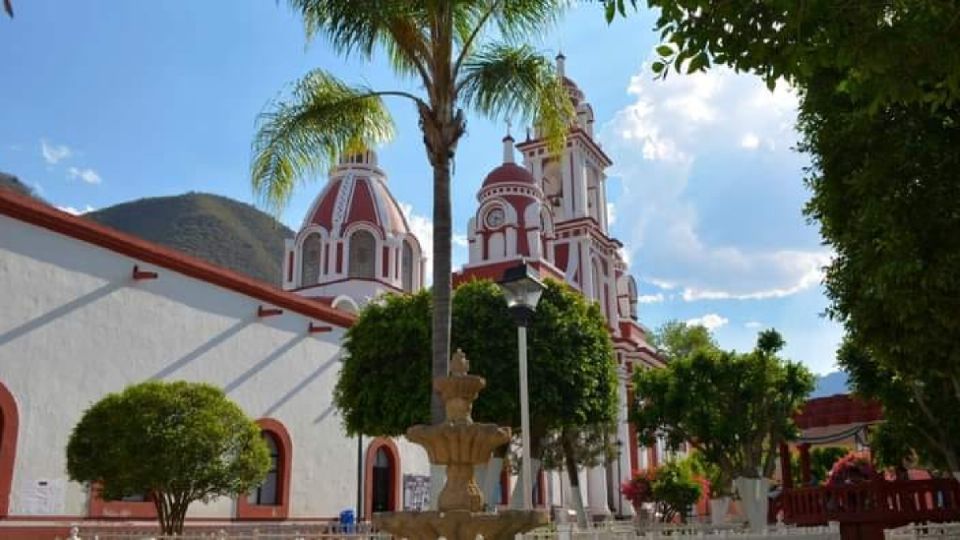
570, 460
441, 276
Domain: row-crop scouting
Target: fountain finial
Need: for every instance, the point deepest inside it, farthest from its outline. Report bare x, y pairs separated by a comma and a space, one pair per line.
459, 365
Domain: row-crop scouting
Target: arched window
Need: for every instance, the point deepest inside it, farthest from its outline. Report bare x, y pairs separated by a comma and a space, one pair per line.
406, 267
9, 426
362, 255
381, 477
310, 255
271, 499
267, 493
381, 481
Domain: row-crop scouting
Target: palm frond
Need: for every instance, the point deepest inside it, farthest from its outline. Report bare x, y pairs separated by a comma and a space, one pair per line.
323, 119
360, 26
502, 81
520, 19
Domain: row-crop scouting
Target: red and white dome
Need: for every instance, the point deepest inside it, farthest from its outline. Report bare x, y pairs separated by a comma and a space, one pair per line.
355, 242
357, 193
509, 173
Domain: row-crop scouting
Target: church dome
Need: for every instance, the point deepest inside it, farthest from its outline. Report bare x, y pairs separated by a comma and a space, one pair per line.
509, 173
358, 193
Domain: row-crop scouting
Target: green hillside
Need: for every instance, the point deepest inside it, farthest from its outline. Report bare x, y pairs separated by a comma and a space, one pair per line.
222, 231
8, 181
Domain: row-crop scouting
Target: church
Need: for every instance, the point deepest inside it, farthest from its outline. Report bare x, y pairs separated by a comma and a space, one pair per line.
90, 310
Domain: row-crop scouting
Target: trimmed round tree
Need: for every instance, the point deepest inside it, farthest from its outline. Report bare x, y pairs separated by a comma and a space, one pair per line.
691, 401
174, 442
384, 385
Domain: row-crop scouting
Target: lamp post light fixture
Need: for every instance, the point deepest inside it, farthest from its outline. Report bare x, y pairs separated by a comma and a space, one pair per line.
522, 289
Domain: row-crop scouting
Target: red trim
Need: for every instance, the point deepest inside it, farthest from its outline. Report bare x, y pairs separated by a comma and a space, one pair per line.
394, 455
836, 410
9, 429
504, 486
100, 508
362, 207
315, 329
494, 271
339, 257
39, 214
341, 280
268, 312
632, 432
324, 214
245, 510
139, 274
385, 262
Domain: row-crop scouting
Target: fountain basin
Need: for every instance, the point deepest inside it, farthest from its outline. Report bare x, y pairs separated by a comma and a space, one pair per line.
468, 444
460, 524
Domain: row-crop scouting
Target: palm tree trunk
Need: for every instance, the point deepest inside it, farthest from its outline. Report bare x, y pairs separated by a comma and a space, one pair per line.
441, 278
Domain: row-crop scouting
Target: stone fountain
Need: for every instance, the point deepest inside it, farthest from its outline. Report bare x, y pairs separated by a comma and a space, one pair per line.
460, 444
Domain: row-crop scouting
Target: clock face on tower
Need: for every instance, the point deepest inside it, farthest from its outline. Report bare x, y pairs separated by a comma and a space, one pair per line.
494, 218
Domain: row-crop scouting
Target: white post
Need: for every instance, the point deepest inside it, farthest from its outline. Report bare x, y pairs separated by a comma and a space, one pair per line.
525, 421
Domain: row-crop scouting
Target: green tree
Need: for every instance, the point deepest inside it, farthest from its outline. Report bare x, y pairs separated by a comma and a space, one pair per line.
384, 383
879, 85
571, 368
889, 51
919, 424
176, 442
675, 490
445, 48
677, 339
692, 398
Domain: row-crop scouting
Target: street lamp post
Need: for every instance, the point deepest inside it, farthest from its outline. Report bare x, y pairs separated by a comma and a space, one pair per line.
619, 476
522, 289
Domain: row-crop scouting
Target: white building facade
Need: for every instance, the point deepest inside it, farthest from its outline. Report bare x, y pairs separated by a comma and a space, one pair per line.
89, 311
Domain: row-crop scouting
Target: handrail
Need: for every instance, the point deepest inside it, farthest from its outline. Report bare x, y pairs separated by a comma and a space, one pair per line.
874, 501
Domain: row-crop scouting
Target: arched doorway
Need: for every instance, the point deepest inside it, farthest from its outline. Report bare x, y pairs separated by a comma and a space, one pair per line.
382, 477
9, 426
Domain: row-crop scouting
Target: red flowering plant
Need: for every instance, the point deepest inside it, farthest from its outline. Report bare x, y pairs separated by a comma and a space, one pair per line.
639, 488
852, 468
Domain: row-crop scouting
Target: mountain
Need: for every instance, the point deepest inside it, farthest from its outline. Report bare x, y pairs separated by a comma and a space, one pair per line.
219, 230
830, 384
8, 181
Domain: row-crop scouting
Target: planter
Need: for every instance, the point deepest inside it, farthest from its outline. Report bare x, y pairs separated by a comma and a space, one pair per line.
755, 500
641, 516
718, 510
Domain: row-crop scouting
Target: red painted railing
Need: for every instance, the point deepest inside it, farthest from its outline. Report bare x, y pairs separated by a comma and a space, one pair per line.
875, 502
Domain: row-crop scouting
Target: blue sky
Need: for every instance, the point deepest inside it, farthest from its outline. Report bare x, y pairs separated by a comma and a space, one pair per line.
106, 101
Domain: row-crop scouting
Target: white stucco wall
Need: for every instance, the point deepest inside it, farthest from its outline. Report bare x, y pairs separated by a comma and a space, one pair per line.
75, 326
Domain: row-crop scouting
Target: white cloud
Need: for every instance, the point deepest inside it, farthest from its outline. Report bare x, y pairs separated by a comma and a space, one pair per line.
75, 211
753, 325
650, 298
422, 227
611, 214
656, 142
89, 176
710, 321
54, 153
662, 283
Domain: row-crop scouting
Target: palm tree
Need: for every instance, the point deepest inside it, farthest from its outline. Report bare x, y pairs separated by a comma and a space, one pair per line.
442, 44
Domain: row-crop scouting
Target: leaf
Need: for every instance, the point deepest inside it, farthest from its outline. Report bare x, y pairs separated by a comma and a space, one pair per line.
657, 67
664, 50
